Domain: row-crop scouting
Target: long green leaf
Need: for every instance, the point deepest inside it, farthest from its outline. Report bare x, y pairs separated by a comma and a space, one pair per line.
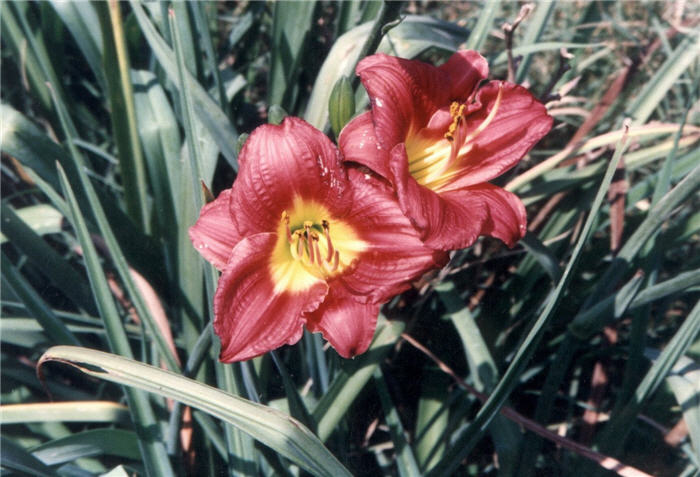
684, 381
53, 265
647, 229
72, 411
13, 456
614, 434
291, 25
657, 87
535, 28
209, 113
589, 322
115, 61
432, 419
54, 327
152, 448
114, 442
41, 71
405, 460
273, 428
350, 381
112, 244
484, 24
26, 142
544, 46
482, 367
42, 219
81, 20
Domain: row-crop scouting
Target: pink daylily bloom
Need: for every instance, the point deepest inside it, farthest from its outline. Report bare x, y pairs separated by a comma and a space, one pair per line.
300, 240
437, 135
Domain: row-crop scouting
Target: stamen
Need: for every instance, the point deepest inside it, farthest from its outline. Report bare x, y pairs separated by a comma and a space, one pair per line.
327, 233
285, 219
336, 261
307, 229
300, 243
317, 252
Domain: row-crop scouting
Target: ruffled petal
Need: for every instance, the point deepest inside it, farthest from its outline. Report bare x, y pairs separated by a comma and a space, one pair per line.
506, 219
395, 255
465, 69
214, 234
251, 317
358, 143
446, 221
280, 164
403, 93
518, 124
348, 325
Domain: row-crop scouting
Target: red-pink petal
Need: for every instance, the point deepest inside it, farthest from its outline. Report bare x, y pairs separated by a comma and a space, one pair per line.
358, 143
465, 69
214, 234
519, 123
280, 163
396, 255
348, 325
251, 317
403, 93
444, 221
506, 219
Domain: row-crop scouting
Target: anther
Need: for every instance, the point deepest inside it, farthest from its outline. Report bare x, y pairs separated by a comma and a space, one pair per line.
457, 113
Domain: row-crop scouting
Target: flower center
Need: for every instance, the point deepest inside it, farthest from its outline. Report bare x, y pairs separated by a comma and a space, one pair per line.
307, 246
311, 246
435, 163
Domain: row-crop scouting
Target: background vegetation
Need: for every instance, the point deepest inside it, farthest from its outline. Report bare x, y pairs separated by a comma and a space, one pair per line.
583, 339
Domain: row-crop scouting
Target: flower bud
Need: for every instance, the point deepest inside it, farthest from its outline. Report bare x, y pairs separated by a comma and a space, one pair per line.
341, 105
276, 114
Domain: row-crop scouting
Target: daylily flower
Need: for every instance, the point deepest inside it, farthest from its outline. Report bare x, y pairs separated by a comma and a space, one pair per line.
437, 136
302, 241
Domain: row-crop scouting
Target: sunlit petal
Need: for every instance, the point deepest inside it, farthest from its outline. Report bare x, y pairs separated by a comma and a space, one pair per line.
506, 219
252, 317
403, 94
359, 144
347, 324
214, 235
445, 221
395, 255
520, 122
281, 163
465, 69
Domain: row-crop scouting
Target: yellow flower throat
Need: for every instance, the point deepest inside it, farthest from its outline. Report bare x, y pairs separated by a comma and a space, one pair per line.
435, 163
311, 246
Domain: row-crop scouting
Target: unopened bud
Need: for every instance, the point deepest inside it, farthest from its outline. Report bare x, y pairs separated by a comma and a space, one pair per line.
276, 114
341, 105
242, 138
